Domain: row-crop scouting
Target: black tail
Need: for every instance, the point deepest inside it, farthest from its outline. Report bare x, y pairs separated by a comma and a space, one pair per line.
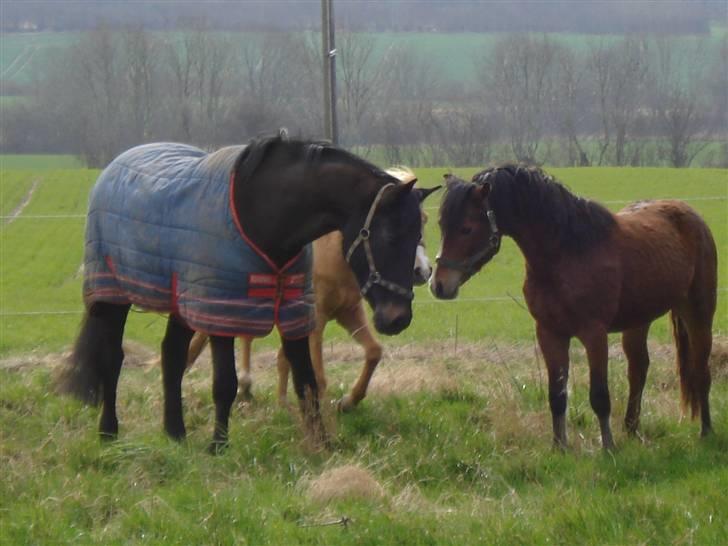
689, 382
81, 375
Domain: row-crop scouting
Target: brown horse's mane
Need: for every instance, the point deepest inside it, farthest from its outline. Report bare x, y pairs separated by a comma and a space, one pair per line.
526, 194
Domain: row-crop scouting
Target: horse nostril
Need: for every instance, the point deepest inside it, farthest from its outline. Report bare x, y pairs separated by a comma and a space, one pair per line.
401, 322
438, 289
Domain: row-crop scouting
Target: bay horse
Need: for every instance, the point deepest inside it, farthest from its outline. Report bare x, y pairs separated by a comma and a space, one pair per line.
337, 297
173, 229
590, 272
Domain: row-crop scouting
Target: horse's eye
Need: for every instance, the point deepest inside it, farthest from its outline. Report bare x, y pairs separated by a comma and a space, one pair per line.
466, 230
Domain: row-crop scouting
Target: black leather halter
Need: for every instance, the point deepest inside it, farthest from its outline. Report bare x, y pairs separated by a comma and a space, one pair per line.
472, 264
363, 238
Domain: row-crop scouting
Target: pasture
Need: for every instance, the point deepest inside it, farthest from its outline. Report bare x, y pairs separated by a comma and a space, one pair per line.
451, 447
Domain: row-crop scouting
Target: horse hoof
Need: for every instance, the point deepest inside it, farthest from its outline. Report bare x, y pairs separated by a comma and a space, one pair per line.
176, 434
217, 447
246, 396
106, 437
345, 404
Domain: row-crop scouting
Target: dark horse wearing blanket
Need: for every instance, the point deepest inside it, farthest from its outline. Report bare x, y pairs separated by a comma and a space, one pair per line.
221, 242
590, 272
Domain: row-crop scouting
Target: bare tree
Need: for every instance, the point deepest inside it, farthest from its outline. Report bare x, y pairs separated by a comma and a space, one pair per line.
679, 104
568, 101
361, 80
200, 64
514, 77
621, 75
140, 64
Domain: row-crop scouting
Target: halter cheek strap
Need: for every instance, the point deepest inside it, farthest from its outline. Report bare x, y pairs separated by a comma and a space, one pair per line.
363, 239
473, 263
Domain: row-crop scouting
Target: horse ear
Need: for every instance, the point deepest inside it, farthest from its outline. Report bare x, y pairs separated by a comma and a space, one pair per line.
398, 192
482, 191
450, 179
422, 193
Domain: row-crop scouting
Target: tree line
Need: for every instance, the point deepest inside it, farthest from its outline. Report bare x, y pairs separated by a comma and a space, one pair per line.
634, 100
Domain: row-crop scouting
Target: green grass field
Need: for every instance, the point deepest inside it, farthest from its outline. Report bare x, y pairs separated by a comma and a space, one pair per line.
451, 447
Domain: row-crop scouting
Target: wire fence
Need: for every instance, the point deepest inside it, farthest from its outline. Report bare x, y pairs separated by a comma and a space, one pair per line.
417, 302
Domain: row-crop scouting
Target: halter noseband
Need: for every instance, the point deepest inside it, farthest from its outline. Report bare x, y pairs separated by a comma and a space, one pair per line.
470, 266
363, 238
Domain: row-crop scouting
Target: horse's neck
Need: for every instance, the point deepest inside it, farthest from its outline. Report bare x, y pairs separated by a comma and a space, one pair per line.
282, 215
534, 237
539, 250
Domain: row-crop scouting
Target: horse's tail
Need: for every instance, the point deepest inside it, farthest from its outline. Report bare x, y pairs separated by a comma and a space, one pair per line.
689, 387
81, 375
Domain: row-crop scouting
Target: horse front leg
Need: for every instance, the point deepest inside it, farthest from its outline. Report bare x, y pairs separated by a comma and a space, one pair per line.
355, 321
175, 347
597, 351
297, 352
224, 388
555, 349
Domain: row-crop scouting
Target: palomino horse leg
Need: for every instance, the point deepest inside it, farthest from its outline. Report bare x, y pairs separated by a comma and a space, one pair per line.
355, 321
316, 348
283, 367
174, 361
634, 343
246, 380
555, 349
197, 345
224, 387
111, 320
304, 382
597, 351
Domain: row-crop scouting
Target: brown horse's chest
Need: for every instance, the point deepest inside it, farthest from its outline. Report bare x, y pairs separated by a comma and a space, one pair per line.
573, 293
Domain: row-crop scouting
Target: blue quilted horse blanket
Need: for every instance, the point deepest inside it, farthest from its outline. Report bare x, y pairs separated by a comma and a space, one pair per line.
162, 233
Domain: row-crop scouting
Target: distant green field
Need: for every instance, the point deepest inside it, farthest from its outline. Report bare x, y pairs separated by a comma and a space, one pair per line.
41, 259
24, 56
38, 162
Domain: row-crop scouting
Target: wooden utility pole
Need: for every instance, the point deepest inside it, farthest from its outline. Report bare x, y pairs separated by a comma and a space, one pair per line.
331, 130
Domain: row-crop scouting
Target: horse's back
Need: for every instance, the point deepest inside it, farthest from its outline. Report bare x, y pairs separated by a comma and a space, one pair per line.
667, 258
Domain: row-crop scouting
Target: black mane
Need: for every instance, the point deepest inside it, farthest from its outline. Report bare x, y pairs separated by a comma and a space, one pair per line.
524, 194
310, 151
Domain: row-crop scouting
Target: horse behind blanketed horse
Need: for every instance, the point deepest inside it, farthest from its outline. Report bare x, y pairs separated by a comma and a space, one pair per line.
590, 272
220, 241
337, 298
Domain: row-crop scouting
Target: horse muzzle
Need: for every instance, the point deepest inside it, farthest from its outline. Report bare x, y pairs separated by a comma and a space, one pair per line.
445, 283
392, 318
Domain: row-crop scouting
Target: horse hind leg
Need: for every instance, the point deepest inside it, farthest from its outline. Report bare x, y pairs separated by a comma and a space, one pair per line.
634, 344
175, 347
693, 341
355, 322
197, 345
95, 364
246, 379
